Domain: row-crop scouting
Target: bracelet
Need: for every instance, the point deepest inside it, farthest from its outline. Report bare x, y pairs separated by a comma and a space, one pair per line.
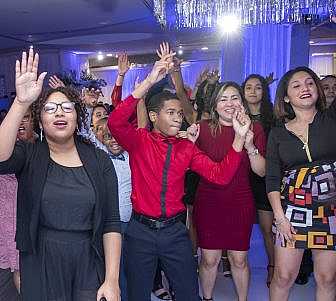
121, 74
254, 152
281, 221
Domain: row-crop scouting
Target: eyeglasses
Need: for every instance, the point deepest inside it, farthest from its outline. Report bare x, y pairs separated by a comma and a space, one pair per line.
51, 107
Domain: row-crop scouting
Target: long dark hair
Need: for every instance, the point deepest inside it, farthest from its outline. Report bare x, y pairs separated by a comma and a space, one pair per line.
214, 117
266, 106
283, 110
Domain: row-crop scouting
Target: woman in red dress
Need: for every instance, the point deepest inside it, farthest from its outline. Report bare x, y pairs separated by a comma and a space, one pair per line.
224, 215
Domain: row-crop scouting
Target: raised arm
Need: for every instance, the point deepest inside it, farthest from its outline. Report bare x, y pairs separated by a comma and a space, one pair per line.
28, 88
119, 120
188, 110
116, 95
123, 67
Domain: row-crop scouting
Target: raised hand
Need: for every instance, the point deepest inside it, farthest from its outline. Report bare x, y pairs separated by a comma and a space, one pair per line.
241, 122
28, 85
164, 50
161, 68
168, 54
213, 76
123, 64
270, 78
203, 76
137, 82
55, 82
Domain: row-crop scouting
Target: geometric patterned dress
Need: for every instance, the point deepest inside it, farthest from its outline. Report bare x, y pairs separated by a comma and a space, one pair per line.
305, 176
308, 199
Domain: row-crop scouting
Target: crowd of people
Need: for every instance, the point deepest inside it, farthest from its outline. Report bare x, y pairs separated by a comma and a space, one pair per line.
105, 201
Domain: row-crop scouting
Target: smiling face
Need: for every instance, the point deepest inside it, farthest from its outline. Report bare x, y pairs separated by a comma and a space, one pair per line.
228, 101
253, 91
168, 120
59, 125
91, 97
302, 91
97, 114
329, 89
111, 143
26, 132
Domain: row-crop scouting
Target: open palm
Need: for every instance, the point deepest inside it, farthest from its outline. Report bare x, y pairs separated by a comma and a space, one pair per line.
28, 85
241, 122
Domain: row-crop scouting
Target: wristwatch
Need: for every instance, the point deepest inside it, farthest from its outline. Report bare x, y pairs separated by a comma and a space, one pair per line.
253, 152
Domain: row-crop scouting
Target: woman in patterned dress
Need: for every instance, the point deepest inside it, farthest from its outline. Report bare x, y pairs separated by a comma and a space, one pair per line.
301, 154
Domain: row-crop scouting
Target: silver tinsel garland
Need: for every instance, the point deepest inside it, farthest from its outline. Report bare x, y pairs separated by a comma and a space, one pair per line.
206, 13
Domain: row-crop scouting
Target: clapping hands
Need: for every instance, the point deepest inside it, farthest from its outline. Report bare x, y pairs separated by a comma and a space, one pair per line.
191, 133
241, 122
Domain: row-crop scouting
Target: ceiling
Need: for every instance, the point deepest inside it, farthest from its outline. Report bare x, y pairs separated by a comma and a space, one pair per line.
99, 25
77, 25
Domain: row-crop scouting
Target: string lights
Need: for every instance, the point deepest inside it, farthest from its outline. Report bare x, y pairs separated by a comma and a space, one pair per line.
206, 13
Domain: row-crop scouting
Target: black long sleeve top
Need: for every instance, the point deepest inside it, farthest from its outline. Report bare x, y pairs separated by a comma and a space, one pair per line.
285, 151
30, 164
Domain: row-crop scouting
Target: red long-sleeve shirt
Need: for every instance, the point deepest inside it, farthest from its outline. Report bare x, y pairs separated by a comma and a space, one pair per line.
116, 95
159, 163
116, 100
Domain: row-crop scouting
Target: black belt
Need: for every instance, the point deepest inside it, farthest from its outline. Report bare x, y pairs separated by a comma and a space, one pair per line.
159, 223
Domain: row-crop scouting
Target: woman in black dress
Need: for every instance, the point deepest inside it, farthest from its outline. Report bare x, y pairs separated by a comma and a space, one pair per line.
67, 216
300, 180
257, 95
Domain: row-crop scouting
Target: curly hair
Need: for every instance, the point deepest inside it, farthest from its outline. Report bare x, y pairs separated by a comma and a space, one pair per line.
73, 95
266, 107
214, 119
284, 111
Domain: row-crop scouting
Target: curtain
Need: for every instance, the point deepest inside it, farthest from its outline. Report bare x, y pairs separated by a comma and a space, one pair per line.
267, 49
190, 72
322, 64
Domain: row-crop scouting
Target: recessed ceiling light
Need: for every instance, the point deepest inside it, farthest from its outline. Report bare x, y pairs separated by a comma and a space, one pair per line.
204, 48
311, 42
109, 54
180, 52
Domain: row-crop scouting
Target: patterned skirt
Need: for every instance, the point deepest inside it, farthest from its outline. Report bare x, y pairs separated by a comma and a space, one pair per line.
308, 197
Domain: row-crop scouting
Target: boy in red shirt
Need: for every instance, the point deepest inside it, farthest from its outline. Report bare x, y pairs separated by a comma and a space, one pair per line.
158, 161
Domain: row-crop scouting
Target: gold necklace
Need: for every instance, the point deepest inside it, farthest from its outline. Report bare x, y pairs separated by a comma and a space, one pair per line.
305, 141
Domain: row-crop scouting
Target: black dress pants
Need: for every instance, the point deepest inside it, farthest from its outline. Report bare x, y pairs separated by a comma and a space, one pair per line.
171, 245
